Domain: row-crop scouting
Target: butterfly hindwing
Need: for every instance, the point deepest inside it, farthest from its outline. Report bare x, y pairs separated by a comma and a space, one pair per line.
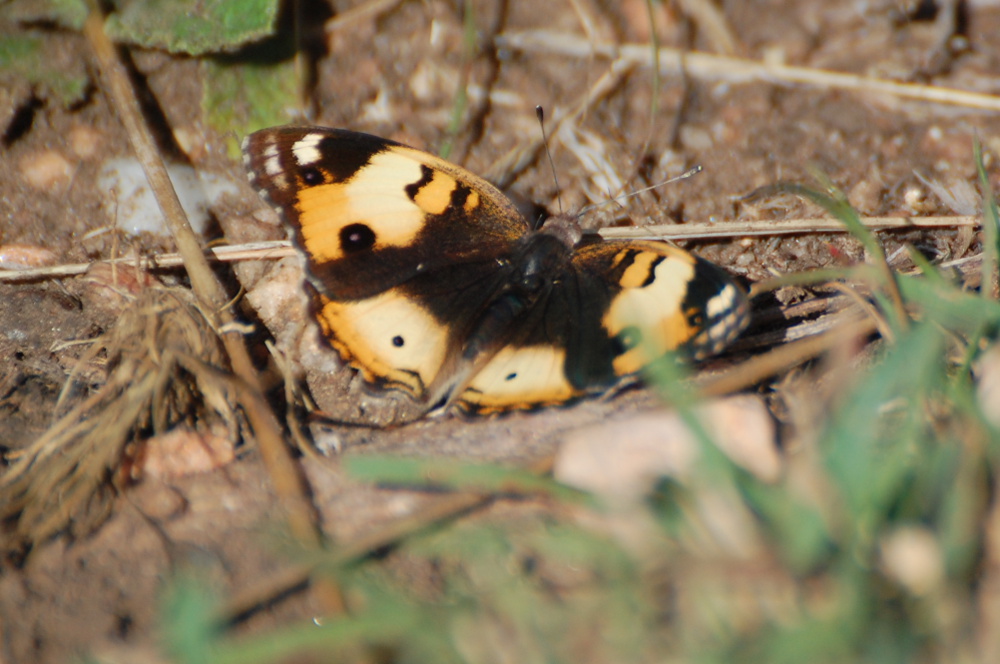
664, 299
618, 306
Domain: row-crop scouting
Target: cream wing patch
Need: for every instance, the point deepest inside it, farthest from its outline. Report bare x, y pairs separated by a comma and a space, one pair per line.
306, 149
728, 313
648, 313
519, 377
375, 198
390, 338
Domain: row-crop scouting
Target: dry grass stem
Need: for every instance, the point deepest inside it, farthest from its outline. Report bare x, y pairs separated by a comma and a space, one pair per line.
587, 19
508, 167
773, 228
225, 254
275, 249
866, 305
434, 511
708, 67
761, 367
61, 479
364, 12
712, 22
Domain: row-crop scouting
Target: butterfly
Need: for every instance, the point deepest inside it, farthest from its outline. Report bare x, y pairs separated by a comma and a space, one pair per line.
426, 279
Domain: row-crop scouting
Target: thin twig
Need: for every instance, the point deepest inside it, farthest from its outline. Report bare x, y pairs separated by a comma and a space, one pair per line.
706, 66
506, 169
769, 228
364, 12
275, 249
761, 367
712, 21
436, 509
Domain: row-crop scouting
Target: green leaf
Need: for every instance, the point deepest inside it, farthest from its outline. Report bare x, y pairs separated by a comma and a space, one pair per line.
239, 97
42, 64
193, 27
66, 13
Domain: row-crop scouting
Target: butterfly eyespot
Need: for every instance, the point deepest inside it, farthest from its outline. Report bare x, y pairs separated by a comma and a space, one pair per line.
356, 237
398, 341
696, 318
626, 340
312, 176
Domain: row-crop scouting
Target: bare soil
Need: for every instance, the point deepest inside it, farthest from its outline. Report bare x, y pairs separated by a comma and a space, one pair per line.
396, 75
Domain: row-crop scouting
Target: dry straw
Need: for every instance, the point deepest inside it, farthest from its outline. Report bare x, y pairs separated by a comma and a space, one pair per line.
164, 363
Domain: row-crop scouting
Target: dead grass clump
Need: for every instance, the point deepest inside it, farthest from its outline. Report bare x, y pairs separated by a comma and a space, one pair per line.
162, 361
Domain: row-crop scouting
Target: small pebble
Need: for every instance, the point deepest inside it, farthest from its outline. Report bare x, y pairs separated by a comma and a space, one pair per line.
84, 141
46, 170
25, 256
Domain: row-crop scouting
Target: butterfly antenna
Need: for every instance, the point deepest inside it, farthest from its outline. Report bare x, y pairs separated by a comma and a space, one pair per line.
540, 114
617, 199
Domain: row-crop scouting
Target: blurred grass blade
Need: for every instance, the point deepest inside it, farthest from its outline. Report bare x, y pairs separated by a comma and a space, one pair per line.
991, 227
869, 446
437, 473
835, 203
954, 309
189, 625
386, 622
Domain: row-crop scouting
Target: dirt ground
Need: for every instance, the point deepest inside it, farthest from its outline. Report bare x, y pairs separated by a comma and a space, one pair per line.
395, 75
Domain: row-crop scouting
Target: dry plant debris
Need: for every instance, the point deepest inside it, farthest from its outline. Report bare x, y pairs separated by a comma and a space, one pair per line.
164, 369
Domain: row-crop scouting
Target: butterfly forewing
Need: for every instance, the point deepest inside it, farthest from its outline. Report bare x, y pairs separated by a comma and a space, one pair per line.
371, 213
